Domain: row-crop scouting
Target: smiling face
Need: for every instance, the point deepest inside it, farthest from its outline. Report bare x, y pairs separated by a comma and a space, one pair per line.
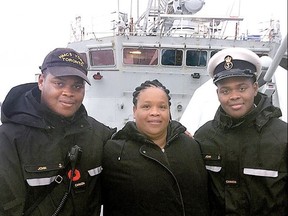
236, 95
63, 95
152, 113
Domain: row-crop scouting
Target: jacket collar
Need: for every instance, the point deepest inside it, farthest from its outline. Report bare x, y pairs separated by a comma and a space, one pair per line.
259, 116
130, 131
22, 106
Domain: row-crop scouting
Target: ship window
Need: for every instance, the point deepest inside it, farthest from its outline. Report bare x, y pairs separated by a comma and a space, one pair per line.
213, 53
84, 57
196, 58
102, 57
143, 56
172, 57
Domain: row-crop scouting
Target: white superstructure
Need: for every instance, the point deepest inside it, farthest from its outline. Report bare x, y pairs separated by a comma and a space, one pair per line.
168, 42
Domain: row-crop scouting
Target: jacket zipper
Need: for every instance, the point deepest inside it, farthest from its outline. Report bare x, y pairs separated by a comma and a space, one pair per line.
179, 190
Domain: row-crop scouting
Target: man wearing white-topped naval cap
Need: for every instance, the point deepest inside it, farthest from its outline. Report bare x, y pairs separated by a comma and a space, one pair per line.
245, 146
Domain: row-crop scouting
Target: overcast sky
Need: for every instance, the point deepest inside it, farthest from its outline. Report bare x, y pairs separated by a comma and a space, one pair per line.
32, 28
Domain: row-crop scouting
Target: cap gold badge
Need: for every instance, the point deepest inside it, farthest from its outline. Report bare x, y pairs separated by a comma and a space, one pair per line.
228, 65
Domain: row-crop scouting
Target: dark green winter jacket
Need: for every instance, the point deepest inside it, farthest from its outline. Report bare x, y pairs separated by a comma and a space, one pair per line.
247, 161
140, 179
34, 162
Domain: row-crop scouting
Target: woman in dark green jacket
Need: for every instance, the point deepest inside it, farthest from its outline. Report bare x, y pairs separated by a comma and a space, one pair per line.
151, 167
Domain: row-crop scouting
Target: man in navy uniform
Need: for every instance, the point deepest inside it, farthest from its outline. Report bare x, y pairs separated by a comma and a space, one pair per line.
50, 149
245, 146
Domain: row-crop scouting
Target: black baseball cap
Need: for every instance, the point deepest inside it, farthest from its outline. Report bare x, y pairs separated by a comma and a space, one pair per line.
65, 62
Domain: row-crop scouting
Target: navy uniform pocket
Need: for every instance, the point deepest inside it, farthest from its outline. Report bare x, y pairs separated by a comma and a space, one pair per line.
42, 174
212, 162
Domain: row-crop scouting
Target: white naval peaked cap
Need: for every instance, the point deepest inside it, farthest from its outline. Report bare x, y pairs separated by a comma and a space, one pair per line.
234, 62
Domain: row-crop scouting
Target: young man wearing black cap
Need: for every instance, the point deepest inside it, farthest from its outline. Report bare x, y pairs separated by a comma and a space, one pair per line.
50, 149
245, 146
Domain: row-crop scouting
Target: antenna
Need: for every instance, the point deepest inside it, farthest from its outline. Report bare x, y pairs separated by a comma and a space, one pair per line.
77, 30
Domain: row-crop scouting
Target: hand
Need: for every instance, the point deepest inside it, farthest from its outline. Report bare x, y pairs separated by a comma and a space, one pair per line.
188, 133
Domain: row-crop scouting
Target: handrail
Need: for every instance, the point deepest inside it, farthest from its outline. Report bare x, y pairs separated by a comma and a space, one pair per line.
276, 60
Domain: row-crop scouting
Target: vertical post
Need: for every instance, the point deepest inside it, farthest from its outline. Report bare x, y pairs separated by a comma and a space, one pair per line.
276, 60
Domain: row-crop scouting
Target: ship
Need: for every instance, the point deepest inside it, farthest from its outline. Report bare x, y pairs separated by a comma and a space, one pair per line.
168, 42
